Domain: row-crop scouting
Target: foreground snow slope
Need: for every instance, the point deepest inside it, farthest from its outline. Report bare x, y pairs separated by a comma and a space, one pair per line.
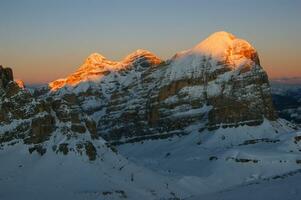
227, 163
287, 187
53, 176
228, 158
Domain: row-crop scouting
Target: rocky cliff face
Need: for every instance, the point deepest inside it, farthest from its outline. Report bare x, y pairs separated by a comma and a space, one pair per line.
34, 120
218, 83
6, 76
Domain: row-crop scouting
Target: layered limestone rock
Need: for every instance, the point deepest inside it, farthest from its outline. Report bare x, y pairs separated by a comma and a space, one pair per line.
42, 122
224, 73
218, 83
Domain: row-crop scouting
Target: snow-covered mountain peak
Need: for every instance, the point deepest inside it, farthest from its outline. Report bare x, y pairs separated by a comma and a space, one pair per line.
93, 68
95, 58
141, 56
221, 50
216, 44
97, 66
223, 46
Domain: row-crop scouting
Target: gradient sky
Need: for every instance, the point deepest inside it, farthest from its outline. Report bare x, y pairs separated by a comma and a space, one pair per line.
43, 40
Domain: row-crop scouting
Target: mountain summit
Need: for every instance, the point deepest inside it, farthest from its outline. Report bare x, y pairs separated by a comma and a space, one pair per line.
221, 48
223, 45
141, 57
94, 59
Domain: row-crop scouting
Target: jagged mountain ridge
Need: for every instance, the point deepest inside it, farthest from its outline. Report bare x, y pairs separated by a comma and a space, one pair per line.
219, 81
287, 99
34, 121
97, 66
214, 99
217, 84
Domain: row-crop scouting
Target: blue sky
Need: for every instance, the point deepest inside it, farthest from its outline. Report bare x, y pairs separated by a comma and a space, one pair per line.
44, 40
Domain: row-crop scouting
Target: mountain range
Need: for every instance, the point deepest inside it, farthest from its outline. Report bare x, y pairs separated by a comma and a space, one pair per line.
200, 125
287, 99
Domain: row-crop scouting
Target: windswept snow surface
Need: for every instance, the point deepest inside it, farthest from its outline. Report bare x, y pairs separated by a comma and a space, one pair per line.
229, 161
277, 188
224, 164
51, 176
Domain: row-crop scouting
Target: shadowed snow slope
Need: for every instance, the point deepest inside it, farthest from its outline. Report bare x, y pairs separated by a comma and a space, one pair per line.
226, 161
53, 176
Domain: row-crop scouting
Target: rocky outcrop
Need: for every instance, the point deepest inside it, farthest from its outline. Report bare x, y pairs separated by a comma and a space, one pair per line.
6, 76
41, 121
41, 129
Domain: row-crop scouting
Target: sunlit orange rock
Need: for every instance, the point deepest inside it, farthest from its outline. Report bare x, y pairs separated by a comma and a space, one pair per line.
20, 83
96, 66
